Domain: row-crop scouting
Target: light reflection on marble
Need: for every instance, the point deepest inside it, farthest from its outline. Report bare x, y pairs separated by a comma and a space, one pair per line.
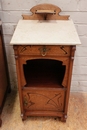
77, 115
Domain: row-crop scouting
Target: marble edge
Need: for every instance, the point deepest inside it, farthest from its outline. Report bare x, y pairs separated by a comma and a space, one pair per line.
67, 44
44, 20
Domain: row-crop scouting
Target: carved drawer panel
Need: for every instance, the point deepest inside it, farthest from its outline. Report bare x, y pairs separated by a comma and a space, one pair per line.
44, 99
44, 50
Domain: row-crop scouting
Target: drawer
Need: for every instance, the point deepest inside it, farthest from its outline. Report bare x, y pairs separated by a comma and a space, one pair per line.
44, 99
44, 50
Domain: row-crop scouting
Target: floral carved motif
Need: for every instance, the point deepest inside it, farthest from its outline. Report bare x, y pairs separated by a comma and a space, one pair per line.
54, 101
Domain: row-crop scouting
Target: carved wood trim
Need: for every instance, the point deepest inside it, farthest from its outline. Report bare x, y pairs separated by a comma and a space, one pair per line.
66, 63
22, 62
45, 12
73, 52
15, 51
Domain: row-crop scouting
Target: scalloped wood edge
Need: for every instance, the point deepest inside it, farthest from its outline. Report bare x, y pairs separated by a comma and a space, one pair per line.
45, 12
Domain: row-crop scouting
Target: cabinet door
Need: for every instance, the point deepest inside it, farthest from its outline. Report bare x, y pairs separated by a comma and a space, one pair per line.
3, 80
44, 99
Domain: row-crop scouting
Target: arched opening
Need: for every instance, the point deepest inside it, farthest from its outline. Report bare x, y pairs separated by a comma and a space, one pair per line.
44, 73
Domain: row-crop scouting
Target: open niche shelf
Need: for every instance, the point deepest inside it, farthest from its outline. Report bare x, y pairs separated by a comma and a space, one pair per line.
44, 73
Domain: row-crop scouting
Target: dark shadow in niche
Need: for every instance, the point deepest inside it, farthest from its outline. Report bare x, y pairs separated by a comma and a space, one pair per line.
44, 73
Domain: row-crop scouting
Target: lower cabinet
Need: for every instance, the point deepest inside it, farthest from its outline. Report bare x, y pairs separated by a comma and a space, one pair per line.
44, 99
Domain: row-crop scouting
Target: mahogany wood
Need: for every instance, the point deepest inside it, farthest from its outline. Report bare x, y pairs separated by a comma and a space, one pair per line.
4, 77
44, 72
0, 121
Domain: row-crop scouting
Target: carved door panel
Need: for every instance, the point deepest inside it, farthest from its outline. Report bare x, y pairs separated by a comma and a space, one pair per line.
44, 99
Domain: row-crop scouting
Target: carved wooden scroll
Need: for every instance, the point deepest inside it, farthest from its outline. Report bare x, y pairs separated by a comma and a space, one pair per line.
45, 12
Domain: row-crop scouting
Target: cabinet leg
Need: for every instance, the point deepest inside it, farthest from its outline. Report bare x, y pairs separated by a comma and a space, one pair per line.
0, 122
63, 118
23, 117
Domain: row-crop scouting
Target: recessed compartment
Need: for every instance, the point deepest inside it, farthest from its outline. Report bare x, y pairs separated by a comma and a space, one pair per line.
44, 73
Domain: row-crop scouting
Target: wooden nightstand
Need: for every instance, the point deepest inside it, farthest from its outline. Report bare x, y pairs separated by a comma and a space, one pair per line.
44, 45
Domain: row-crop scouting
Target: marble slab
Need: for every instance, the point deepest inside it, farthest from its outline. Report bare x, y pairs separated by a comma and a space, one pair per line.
38, 32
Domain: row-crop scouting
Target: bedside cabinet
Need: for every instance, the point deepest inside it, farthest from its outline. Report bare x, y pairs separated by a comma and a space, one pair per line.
44, 46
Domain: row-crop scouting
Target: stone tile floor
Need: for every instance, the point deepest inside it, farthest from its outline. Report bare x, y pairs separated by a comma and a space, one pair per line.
77, 115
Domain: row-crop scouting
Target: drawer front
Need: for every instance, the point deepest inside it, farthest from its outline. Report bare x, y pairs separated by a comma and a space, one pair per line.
44, 99
44, 50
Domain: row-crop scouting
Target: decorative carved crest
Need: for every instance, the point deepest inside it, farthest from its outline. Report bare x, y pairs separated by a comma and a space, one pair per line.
45, 12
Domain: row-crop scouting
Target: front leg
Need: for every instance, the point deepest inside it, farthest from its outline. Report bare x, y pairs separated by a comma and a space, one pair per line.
63, 118
24, 117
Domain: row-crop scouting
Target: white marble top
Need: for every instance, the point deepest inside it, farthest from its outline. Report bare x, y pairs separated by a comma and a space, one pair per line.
37, 32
